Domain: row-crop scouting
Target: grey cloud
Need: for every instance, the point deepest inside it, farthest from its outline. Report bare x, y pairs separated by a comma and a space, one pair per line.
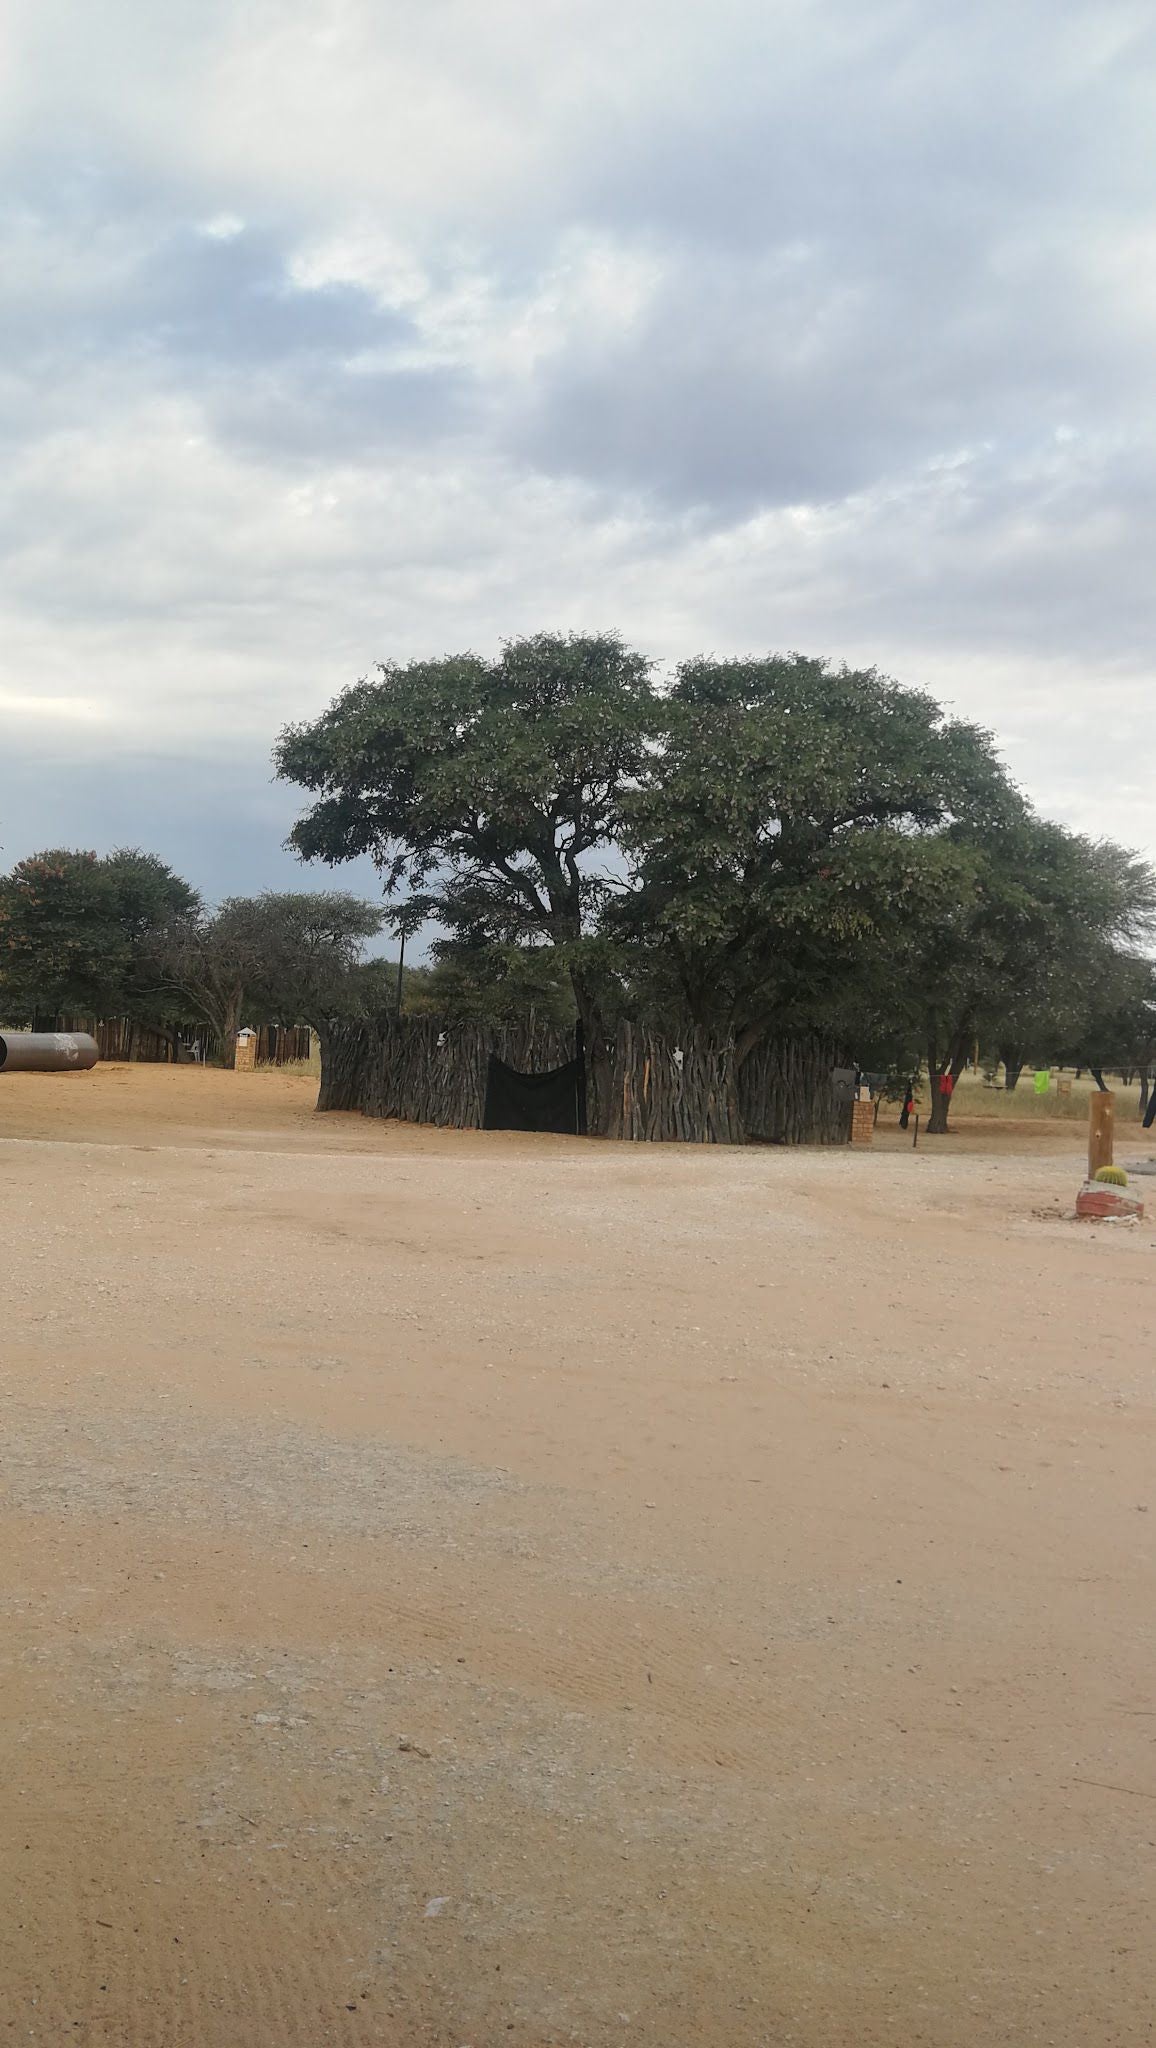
222, 824
845, 301
884, 391
136, 287
893, 244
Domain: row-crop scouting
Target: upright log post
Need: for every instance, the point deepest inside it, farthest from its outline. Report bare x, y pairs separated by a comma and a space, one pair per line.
1101, 1109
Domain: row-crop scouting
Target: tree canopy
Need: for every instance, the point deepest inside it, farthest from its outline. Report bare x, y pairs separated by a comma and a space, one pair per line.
76, 930
1029, 925
745, 848
785, 824
752, 846
291, 957
494, 782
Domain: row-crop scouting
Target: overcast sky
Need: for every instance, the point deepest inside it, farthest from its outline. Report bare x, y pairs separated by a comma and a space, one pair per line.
343, 329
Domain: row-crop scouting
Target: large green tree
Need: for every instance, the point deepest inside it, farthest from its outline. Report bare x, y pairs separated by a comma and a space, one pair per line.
783, 830
77, 933
491, 785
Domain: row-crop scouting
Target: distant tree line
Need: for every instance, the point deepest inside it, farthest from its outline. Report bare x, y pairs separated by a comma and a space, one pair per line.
746, 849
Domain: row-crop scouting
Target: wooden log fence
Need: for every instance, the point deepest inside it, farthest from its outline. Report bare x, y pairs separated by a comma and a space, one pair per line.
661, 1092
424, 1070
433, 1071
282, 1045
788, 1093
123, 1038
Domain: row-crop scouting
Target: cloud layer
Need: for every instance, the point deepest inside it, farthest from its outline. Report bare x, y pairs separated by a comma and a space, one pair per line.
337, 331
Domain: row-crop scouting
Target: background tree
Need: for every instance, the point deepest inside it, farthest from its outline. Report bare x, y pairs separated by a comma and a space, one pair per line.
494, 984
312, 968
1115, 1028
290, 957
77, 933
494, 782
1018, 942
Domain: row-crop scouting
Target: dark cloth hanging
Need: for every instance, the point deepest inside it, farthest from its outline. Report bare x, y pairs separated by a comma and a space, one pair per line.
536, 1102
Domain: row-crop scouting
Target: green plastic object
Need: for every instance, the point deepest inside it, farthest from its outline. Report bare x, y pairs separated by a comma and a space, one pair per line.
1113, 1176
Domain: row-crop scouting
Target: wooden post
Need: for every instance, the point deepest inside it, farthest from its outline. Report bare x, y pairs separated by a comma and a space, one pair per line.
1101, 1106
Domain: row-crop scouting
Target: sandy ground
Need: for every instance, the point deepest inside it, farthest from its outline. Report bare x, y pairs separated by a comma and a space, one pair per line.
470, 1590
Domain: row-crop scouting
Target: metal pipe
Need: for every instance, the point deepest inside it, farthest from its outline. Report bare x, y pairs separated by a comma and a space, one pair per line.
46, 1052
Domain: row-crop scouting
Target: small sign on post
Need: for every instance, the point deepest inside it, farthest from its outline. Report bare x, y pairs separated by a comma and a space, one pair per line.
1101, 1112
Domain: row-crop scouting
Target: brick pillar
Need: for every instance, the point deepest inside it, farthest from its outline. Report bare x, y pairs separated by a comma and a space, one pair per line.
862, 1122
246, 1055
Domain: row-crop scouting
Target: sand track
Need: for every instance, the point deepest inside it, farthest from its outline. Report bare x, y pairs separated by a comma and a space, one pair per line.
753, 1552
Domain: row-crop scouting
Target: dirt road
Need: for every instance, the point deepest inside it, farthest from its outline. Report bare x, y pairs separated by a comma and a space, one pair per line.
470, 1590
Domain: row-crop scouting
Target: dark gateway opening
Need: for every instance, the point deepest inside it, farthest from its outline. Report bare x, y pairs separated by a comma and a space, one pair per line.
536, 1102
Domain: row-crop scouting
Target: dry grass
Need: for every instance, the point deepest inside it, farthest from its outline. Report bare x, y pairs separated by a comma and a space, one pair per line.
310, 1066
972, 1098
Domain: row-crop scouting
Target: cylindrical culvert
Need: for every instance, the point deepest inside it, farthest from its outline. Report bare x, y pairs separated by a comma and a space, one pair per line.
46, 1052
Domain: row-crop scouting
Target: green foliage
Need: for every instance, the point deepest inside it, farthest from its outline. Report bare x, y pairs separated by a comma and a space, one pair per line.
76, 932
497, 984
308, 946
1023, 942
292, 958
1112, 1176
1114, 1026
494, 781
782, 831
766, 844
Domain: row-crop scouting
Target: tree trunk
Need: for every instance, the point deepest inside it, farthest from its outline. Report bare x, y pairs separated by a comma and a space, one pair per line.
1013, 1065
937, 1119
599, 1057
230, 1025
940, 1102
1145, 1084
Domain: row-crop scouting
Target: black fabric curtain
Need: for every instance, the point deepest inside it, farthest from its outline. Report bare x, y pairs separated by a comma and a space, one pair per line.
536, 1102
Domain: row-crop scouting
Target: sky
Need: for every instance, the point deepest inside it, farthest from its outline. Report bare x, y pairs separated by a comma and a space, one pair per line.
336, 331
